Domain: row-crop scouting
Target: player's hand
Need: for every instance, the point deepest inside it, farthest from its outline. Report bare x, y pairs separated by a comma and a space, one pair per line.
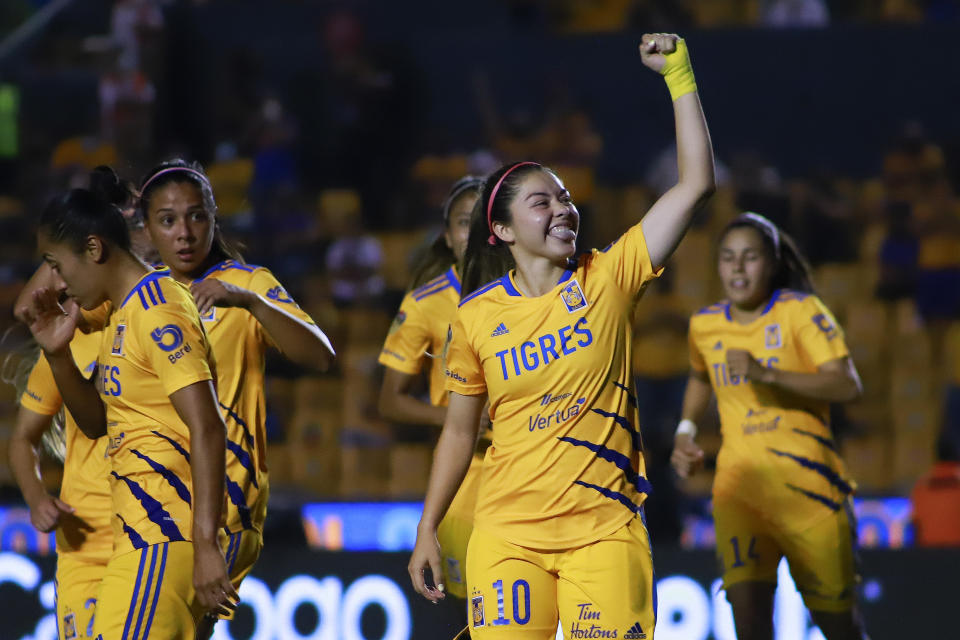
741, 364
653, 48
426, 555
51, 322
45, 513
211, 581
687, 457
212, 293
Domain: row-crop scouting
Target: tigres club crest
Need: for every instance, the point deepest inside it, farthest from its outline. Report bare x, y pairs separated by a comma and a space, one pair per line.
572, 296
69, 626
117, 348
476, 611
771, 336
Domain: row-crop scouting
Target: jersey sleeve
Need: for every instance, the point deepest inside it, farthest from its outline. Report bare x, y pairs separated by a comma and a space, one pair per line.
265, 284
173, 343
461, 364
42, 395
818, 334
408, 338
697, 363
628, 259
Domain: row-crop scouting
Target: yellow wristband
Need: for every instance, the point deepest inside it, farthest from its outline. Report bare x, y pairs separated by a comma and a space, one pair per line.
678, 73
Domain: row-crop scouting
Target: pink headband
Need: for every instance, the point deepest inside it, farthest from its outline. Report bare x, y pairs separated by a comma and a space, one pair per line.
493, 194
202, 177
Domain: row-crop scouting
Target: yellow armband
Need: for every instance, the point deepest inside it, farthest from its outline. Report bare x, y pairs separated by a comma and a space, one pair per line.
678, 73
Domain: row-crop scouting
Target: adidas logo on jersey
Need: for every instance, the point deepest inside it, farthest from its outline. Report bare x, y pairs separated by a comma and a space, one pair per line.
501, 330
635, 633
718, 346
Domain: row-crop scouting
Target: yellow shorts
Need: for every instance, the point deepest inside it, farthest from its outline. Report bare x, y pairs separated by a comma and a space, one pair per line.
240, 551
597, 590
148, 593
77, 583
455, 529
822, 557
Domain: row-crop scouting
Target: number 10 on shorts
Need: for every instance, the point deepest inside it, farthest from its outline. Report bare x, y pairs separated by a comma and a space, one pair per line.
521, 603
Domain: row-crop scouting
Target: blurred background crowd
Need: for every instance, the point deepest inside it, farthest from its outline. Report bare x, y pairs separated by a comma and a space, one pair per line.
331, 131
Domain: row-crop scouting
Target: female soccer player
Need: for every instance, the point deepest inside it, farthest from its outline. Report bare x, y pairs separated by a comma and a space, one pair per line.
776, 359
153, 396
245, 311
81, 513
558, 528
419, 332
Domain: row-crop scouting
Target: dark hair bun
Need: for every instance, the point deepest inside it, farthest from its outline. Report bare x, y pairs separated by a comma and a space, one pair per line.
107, 185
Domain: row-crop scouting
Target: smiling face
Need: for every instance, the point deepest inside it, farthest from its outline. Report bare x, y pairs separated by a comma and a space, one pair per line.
458, 223
746, 267
544, 221
75, 274
181, 227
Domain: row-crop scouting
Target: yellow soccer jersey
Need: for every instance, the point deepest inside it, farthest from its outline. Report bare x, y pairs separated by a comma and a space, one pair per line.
154, 344
566, 466
239, 345
85, 533
420, 330
777, 450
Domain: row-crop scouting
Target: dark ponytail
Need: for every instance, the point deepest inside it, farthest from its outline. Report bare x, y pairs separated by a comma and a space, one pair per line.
180, 171
438, 257
74, 216
792, 269
483, 261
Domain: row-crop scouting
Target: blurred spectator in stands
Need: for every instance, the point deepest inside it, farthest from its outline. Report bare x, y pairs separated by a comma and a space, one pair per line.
362, 98
354, 258
936, 501
132, 24
822, 217
759, 187
661, 174
795, 13
274, 164
898, 255
564, 135
661, 366
230, 177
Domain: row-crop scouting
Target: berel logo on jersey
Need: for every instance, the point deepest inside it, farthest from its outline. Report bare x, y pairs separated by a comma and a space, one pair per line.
476, 607
117, 348
278, 294
826, 325
572, 296
772, 338
501, 330
168, 337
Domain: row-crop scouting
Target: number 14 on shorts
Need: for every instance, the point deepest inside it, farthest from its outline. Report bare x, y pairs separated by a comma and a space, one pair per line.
521, 605
751, 551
